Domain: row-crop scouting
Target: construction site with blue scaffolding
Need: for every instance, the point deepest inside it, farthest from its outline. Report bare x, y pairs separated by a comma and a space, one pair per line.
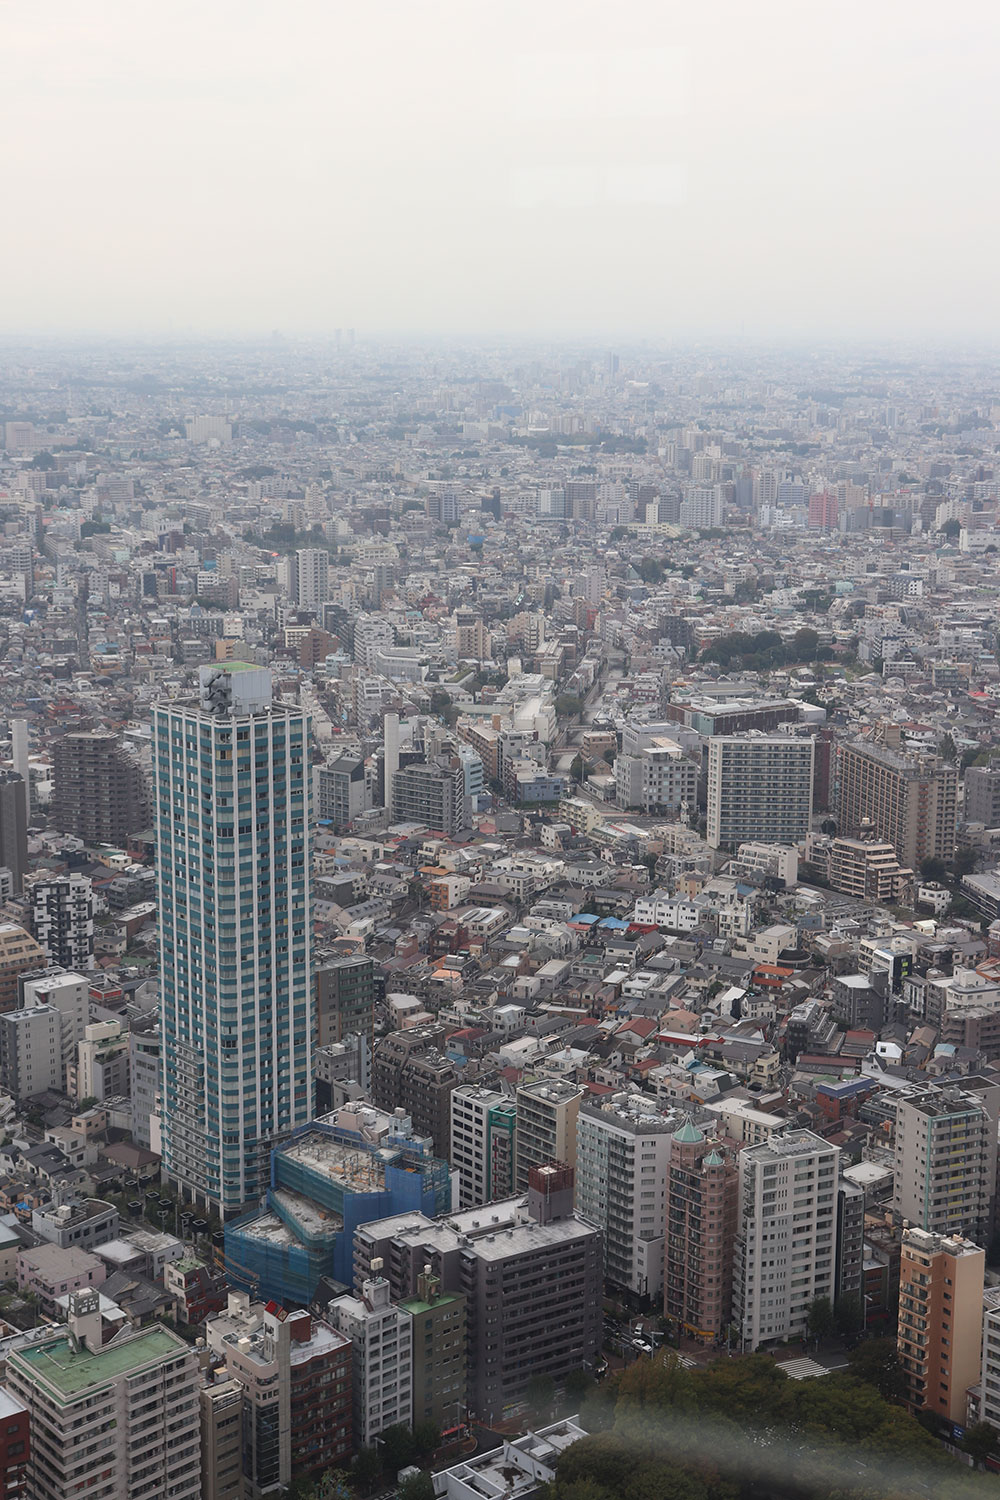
325, 1181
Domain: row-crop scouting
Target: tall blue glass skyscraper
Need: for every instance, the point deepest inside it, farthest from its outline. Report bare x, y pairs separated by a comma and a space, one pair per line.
231, 783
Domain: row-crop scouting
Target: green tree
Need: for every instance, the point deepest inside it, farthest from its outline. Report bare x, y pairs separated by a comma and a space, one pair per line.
876, 1362
650, 571
849, 1313
820, 1321
426, 1438
964, 863
980, 1442
540, 1394
416, 1487
951, 527
934, 869
577, 1386
577, 768
805, 643
568, 705
366, 1471
947, 750
397, 1447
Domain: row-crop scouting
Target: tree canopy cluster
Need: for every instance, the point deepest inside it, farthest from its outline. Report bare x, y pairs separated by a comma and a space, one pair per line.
765, 649
741, 1429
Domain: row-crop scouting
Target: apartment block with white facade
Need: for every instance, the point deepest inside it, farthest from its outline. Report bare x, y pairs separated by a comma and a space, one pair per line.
622, 1160
786, 1237
382, 1353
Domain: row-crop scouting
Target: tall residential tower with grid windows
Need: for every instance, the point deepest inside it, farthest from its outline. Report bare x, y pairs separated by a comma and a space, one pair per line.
231, 791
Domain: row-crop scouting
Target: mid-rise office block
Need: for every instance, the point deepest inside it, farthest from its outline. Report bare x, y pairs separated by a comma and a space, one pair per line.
702, 1192
220, 1403
946, 1161
134, 1402
940, 1321
760, 789
98, 792
786, 1240
482, 1143
909, 800
547, 1112
439, 1353
14, 825
62, 920
232, 828
622, 1156
381, 1336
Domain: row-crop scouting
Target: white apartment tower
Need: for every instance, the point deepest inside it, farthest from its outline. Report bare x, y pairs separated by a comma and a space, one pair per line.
382, 1356
786, 1237
622, 1160
312, 575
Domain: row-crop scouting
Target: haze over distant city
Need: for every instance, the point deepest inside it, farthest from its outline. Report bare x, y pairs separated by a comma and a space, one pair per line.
561, 169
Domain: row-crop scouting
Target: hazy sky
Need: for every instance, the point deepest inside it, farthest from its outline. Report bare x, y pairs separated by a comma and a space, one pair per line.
558, 166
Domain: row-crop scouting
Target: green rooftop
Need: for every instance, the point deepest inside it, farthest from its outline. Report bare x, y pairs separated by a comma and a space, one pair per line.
66, 1372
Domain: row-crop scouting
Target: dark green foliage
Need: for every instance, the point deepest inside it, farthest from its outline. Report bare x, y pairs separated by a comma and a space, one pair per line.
740, 1429
417, 1487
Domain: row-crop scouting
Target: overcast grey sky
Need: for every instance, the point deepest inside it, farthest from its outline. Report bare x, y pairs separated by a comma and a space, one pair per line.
549, 166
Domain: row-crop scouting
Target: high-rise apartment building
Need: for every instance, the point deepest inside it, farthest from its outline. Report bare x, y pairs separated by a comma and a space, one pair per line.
381, 1336
786, 1239
98, 792
946, 1161
909, 800
114, 1420
62, 919
439, 1353
345, 999
482, 1143
940, 1321
622, 1154
69, 992
867, 868
15, 1446
982, 794
547, 1112
657, 778
296, 1375
409, 1072
531, 1273
311, 574
232, 827
14, 825
431, 792
760, 789
702, 1191
342, 791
